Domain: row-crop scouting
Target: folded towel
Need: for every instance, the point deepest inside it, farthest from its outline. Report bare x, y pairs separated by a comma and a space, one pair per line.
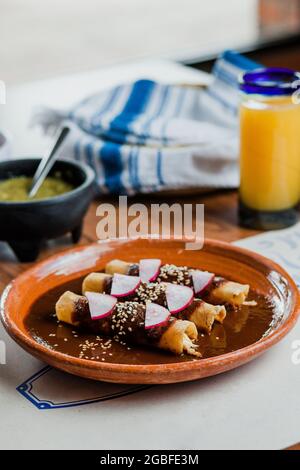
149, 137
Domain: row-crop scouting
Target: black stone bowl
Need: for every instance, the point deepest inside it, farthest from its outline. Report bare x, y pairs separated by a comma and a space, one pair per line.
25, 225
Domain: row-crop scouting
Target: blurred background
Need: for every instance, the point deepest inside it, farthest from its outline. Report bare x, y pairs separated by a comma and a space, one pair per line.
41, 39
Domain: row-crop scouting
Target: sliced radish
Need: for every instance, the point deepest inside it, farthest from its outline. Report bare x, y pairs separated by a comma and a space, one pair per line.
156, 315
149, 269
123, 285
201, 280
101, 305
178, 297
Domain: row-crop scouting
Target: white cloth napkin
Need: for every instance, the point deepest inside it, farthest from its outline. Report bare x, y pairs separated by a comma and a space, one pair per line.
146, 137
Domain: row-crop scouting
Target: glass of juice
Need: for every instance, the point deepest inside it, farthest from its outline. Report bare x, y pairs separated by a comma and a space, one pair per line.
269, 148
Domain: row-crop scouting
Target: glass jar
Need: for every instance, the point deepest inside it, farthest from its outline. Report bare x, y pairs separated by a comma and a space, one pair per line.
269, 148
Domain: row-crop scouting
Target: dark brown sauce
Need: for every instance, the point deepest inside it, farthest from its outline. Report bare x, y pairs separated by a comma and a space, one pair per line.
241, 328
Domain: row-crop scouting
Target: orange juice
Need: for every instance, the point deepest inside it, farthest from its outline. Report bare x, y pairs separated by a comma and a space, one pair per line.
269, 148
269, 153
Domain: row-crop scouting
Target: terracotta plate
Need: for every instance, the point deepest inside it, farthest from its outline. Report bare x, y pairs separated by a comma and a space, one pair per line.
263, 275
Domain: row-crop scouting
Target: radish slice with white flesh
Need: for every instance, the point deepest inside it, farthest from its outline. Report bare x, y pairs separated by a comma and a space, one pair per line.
123, 285
100, 305
156, 316
178, 297
149, 269
201, 280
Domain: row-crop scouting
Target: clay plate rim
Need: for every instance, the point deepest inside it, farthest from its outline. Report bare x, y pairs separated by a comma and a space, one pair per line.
239, 356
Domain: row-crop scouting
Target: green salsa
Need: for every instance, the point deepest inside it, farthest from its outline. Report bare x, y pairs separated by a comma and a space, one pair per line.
17, 189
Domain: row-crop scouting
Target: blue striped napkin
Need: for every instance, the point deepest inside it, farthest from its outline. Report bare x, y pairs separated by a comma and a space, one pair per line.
149, 137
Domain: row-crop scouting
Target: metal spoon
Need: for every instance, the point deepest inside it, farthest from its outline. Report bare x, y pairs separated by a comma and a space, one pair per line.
47, 163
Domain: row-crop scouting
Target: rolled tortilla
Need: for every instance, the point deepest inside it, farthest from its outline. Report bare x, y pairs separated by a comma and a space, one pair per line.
117, 266
227, 292
202, 314
220, 291
97, 282
127, 323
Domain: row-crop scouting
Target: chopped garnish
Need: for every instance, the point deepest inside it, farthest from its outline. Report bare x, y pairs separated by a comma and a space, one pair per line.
149, 269
156, 315
201, 280
123, 285
178, 297
100, 305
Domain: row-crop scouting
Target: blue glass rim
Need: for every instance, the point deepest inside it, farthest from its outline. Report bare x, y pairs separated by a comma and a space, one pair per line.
271, 81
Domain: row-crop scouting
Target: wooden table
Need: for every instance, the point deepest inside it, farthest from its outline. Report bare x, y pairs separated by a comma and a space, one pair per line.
220, 223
